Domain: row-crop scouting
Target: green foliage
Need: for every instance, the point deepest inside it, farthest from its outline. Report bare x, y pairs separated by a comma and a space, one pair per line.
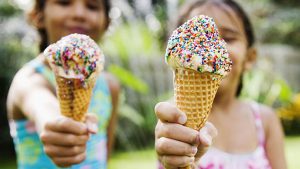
7, 9
128, 127
131, 48
128, 79
145, 159
13, 55
288, 2
284, 27
286, 92
265, 87
130, 40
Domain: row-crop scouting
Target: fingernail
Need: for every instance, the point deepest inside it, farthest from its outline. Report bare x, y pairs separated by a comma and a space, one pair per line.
194, 150
93, 128
182, 119
207, 139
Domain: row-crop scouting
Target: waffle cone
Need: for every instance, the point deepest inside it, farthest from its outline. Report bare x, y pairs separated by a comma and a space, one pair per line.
74, 98
194, 95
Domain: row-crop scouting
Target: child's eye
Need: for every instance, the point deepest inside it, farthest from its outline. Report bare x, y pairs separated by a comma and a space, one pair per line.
64, 2
93, 5
229, 39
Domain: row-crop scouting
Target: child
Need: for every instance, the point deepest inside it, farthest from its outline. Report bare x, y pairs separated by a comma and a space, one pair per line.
249, 134
43, 138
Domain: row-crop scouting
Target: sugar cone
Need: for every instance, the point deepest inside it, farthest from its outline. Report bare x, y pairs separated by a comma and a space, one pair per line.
74, 98
194, 95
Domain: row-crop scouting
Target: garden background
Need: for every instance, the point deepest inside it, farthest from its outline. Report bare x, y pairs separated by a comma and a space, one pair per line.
134, 48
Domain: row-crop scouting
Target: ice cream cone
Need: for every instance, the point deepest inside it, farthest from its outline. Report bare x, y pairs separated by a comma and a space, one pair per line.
74, 98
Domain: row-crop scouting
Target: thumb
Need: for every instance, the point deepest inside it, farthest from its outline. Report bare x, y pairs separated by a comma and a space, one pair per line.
91, 122
206, 135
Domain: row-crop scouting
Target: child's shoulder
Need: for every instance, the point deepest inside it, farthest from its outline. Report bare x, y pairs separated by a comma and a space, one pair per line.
268, 116
266, 112
24, 82
26, 73
113, 84
112, 81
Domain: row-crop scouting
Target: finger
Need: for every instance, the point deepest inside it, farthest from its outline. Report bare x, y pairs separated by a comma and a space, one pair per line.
177, 132
92, 123
173, 162
166, 146
69, 161
168, 112
63, 139
206, 134
66, 125
63, 151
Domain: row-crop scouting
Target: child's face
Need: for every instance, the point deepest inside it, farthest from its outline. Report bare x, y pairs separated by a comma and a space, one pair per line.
63, 17
232, 31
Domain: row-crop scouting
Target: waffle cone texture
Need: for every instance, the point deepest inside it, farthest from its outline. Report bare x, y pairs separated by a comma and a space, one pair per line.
74, 98
194, 95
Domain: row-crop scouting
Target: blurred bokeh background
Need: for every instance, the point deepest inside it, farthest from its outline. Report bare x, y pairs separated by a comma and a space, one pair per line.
134, 47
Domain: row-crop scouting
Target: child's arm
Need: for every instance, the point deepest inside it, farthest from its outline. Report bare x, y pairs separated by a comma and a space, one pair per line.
114, 88
274, 139
175, 144
64, 139
30, 95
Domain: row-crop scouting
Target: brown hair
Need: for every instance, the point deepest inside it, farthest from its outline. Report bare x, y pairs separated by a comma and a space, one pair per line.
185, 12
40, 5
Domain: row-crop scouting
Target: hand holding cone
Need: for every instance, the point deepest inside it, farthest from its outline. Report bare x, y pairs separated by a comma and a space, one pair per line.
199, 60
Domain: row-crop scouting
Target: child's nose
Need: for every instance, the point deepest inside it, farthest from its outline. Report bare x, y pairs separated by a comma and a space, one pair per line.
78, 10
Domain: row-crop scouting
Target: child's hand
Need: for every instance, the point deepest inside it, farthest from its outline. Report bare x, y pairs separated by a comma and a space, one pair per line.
175, 144
65, 139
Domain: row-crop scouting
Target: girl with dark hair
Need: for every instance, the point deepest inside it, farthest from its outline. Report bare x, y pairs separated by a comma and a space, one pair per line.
43, 138
250, 135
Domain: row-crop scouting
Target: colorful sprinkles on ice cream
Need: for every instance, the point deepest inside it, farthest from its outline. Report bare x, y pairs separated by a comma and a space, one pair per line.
75, 56
196, 45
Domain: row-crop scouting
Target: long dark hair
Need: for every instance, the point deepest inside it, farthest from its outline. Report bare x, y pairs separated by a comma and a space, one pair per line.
185, 12
40, 5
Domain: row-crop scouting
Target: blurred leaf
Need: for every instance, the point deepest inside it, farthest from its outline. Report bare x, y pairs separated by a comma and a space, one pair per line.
131, 40
265, 87
7, 10
131, 114
285, 91
128, 79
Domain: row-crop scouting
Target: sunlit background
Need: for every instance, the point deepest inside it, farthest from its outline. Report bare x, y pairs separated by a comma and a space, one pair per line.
134, 48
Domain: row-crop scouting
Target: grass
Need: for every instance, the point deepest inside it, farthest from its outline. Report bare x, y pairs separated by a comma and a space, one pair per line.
8, 163
146, 159
292, 148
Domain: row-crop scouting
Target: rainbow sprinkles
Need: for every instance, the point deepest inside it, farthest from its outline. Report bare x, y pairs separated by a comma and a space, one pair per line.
196, 45
75, 56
